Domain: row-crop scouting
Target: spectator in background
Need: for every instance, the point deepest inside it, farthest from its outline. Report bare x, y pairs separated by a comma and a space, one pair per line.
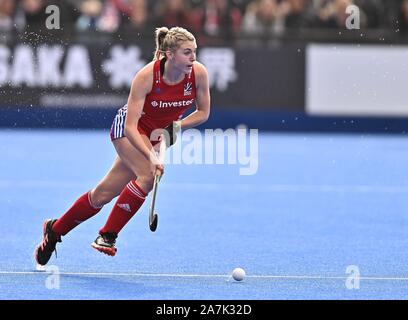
298, 13
262, 17
34, 14
241, 4
138, 15
373, 10
97, 15
122, 6
172, 13
391, 15
402, 20
196, 16
136, 18
90, 10
7, 11
221, 17
110, 17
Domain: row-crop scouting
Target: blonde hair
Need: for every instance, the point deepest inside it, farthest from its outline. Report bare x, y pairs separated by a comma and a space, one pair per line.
170, 39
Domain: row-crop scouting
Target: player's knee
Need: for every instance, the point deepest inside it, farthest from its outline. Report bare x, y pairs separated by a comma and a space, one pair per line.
146, 182
100, 197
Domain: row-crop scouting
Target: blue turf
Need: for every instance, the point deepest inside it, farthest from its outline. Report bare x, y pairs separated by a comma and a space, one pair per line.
317, 204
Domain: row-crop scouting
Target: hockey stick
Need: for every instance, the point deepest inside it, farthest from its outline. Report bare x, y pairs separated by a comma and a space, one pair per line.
153, 217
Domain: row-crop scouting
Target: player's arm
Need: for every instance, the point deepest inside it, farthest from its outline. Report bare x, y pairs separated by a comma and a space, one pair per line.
141, 86
202, 112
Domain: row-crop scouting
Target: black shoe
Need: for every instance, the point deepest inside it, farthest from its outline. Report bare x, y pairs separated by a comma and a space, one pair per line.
45, 249
105, 243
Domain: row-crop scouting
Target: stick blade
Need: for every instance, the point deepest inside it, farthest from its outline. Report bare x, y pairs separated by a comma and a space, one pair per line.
153, 223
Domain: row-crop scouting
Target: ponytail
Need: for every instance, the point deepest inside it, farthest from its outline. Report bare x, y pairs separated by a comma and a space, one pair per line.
160, 34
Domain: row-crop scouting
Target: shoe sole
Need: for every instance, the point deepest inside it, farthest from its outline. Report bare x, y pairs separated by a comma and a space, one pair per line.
108, 251
36, 254
38, 246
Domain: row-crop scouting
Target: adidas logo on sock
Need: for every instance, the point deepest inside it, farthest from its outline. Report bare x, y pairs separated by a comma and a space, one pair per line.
125, 207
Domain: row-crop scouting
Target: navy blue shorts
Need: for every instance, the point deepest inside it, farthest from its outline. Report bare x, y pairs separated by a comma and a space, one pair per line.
118, 126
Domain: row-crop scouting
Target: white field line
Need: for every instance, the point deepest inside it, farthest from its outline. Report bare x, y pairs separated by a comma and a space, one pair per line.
177, 275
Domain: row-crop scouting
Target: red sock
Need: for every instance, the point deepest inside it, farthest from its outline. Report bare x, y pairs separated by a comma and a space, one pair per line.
129, 201
80, 211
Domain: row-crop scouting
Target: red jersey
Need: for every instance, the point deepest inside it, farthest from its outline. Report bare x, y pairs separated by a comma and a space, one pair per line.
166, 103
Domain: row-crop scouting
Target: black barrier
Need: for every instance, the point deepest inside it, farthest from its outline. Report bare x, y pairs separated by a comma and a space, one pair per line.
98, 75
81, 85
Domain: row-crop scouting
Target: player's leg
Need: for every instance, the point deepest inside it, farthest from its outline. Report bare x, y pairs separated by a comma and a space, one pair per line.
112, 184
136, 162
84, 208
131, 198
91, 202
